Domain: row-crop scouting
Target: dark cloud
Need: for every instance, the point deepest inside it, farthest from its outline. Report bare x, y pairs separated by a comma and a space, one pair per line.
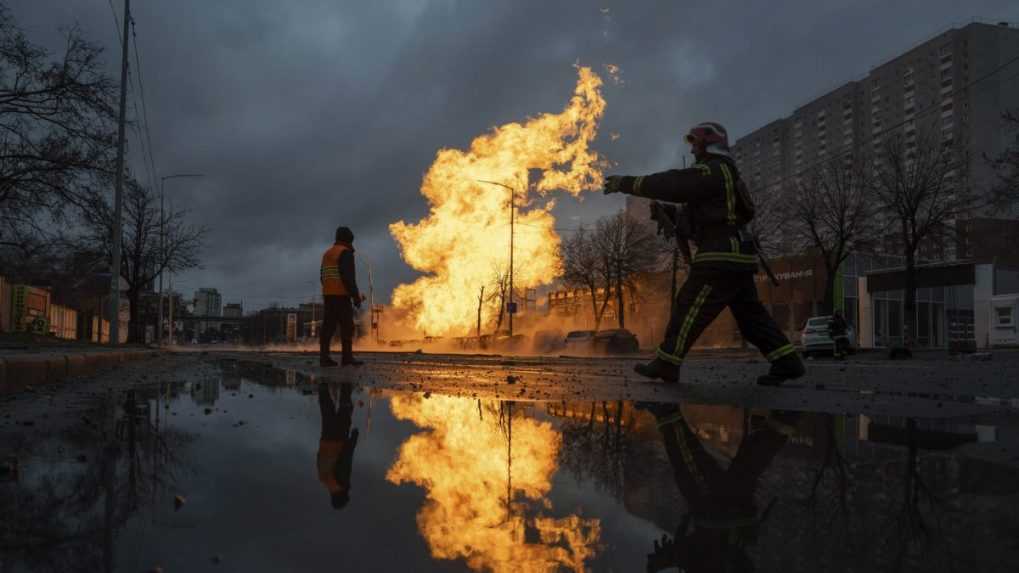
304, 115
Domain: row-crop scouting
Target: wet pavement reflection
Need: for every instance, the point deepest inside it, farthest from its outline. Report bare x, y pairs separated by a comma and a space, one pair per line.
270, 470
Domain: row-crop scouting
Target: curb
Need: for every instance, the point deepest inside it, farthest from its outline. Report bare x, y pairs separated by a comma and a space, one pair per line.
17, 372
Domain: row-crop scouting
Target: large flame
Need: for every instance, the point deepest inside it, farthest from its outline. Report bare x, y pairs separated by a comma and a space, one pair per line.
468, 466
465, 239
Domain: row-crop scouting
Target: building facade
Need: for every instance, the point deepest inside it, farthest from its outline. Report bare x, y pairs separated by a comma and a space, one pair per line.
952, 84
208, 302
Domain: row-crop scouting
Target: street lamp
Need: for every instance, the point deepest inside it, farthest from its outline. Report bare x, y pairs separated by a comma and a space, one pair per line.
162, 246
510, 307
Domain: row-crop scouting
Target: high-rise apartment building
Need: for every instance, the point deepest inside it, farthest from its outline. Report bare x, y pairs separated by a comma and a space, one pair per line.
953, 84
208, 302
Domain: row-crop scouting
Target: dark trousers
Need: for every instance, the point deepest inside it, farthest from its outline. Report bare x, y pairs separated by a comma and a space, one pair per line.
708, 487
703, 296
339, 311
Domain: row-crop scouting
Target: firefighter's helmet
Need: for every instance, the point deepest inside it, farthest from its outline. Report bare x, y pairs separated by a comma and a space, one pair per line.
711, 137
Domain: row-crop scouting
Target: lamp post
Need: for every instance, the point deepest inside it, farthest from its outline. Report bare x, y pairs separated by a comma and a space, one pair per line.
162, 242
510, 307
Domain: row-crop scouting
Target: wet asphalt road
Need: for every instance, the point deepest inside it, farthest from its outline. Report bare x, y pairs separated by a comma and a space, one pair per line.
237, 432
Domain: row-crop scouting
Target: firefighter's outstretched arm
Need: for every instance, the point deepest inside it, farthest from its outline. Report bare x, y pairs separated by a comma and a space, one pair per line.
673, 186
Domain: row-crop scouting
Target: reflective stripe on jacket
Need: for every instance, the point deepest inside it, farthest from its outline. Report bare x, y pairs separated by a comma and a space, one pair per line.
329, 272
719, 206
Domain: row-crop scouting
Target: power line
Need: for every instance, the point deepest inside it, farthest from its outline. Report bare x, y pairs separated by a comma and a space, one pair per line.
116, 22
921, 113
145, 107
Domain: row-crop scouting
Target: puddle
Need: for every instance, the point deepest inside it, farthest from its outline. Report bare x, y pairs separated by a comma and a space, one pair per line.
268, 470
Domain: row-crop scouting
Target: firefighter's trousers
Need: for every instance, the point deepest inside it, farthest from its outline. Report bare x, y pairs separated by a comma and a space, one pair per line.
703, 296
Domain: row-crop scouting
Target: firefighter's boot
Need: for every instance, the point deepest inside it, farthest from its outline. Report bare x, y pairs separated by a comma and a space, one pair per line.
788, 367
348, 354
659, 369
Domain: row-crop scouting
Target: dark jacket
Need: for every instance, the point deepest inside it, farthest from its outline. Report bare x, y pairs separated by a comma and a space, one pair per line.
719, 207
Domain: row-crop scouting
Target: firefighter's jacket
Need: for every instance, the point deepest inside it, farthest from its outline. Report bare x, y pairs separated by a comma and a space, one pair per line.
337, 273
719, 207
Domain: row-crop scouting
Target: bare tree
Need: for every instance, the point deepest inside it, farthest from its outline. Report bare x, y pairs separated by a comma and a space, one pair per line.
582, 269
500, 280
1006, 165
915, 190
56, 128
832, 213
143, 259
626, 249
770, 225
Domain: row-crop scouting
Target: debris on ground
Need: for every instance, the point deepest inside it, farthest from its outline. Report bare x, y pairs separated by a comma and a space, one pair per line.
178, 502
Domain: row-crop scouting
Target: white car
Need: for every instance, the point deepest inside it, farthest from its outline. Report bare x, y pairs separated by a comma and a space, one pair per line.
816, 338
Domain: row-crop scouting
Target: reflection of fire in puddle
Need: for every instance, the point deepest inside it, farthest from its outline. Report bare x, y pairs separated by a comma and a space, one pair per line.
486, 472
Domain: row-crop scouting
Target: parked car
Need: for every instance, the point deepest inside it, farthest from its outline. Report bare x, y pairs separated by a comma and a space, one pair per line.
579, 341
616, 341
507, 343
816, 338
548, 341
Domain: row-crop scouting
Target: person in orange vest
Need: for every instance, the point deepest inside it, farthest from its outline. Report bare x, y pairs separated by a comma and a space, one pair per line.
335, 458
339, 295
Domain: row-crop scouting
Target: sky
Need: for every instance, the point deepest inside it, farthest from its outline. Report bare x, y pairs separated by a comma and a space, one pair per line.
306, 114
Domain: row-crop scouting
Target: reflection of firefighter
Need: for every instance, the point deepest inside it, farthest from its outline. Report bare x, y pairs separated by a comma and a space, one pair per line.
722, 273
339, 296
722, 519
838, 331
337, 443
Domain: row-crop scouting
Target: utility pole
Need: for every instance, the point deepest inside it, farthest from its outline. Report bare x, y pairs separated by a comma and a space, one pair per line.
118, 207
513, 207
512, 310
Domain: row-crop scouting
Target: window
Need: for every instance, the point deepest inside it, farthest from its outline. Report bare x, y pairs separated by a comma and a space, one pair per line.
1003, 317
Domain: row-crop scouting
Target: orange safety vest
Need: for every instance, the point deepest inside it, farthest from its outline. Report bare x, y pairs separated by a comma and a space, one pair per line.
329, 273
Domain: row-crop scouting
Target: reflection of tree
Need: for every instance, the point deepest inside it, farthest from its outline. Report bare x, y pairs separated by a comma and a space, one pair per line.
834, 463
912, 531
597, 442
67, 519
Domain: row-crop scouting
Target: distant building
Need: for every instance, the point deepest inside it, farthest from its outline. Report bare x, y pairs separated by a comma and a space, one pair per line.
233, 310
947, 84
208, 302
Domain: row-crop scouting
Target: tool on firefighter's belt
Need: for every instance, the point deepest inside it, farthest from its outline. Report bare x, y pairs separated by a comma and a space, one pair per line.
764, 261
674, 223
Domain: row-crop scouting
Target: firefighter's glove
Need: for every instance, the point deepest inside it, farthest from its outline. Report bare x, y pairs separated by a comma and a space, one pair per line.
617, 184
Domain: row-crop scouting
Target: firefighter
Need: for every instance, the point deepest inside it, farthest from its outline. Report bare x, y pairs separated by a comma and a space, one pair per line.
838, 330
339, 295
722, 274
722, 519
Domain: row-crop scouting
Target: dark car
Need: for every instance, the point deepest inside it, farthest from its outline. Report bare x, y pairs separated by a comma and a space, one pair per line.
579, 341
616, 341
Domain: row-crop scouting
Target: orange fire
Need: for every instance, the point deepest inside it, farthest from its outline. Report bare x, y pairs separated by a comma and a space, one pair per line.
465, 240
468, 466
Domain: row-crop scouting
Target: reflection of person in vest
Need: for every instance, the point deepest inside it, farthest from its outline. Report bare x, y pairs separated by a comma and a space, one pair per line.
723, 518
336, 446
339, 294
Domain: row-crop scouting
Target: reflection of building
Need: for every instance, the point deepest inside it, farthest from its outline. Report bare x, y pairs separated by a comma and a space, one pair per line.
205, 393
